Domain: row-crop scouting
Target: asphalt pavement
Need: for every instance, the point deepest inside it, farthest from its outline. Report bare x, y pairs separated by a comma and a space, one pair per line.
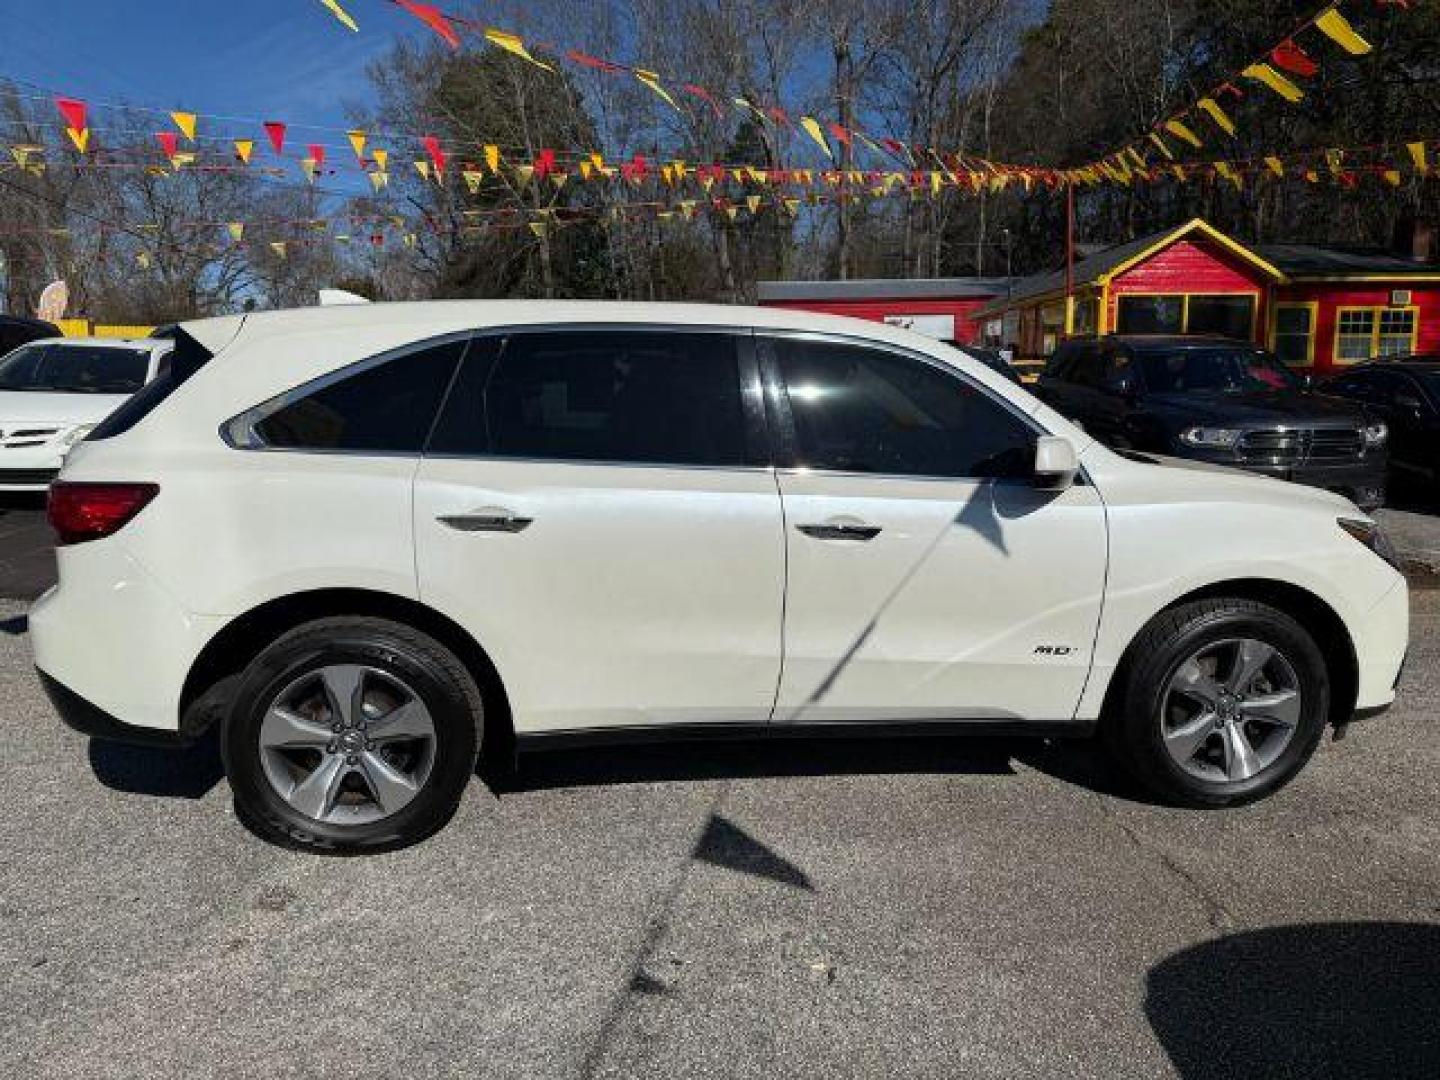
936, 908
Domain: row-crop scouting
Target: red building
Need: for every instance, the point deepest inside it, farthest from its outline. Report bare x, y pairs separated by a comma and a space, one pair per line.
939, 307
1318, 308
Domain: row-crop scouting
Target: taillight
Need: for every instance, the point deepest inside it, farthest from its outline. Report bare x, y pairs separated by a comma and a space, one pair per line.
81, 511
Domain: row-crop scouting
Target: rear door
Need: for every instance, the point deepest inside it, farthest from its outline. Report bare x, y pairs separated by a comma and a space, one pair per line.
597, 508
928, 578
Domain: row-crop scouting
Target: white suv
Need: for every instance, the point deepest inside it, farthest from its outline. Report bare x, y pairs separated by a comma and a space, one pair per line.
376, 542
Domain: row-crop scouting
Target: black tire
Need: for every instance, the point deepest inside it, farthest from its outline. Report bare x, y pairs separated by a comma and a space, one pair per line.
1133, 728
438, 679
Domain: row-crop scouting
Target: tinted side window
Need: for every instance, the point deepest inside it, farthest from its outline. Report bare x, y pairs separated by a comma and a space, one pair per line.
864, 410
188, 357
385, 408
650, 398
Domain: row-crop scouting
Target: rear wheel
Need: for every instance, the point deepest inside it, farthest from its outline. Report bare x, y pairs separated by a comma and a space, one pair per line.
1223, 701
352, 735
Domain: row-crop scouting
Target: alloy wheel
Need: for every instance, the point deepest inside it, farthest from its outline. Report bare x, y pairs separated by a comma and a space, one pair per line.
347, 744
1230, 710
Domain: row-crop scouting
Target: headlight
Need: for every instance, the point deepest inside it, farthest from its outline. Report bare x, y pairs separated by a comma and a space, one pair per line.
1212, 438
1375, 435
74, 435
1370, 534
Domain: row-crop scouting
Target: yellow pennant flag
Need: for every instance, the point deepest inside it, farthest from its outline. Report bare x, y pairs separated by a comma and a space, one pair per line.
423, 168
244, 148
753, 202
1338, 29
1160, 145
1336, 160
1224, 169
1216, 113
1275, 165
1264, 73
278, 247
183, 157
357, 142
731, 211
308, 165
142, 260
492, 159
524, 173
1180, 131
936, 182
687, 208
586, 170
1179, 171
340, 13
512, 44
379, 180
1135, 157
236, 229
473, 178
1392, 177
812, 128
382, 159
81, 138
1417, 155
558, 179
538, 228
792, 206
185, 121
650, 79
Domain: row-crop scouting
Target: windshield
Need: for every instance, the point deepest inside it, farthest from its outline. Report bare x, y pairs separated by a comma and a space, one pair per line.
1228, 369
81, 369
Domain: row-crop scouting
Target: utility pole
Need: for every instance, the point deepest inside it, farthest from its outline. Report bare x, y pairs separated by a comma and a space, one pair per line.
1069, 259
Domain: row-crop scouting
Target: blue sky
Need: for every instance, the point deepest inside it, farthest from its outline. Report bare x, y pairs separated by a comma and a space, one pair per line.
270, 59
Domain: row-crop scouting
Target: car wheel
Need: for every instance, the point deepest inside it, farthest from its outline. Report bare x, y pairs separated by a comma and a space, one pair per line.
1221, 702
351, 735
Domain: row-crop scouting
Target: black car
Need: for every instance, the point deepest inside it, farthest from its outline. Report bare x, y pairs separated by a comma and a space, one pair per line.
992, 358
15, 331
1221, 401
1406, 395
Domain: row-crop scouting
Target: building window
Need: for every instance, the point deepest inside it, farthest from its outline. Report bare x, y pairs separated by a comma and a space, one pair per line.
1228, 316
1052, 325
1295, 334
1086, 317
1365, 333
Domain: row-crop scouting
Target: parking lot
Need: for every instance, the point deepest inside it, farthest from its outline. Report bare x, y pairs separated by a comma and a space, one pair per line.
990, 908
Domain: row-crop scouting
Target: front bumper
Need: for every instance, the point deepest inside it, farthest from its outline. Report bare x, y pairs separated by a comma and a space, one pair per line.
1361, 480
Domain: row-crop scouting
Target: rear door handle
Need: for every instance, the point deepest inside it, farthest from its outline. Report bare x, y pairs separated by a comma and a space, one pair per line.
500, 523
840, 531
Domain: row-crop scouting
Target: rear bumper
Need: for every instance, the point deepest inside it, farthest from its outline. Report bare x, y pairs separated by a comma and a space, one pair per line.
27, 479
89, 719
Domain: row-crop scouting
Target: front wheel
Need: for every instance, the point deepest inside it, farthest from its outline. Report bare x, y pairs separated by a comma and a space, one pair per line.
351, 735
1222, 702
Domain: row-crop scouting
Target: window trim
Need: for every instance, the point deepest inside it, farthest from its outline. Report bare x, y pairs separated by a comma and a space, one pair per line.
783, 419
1375, 311
1312, 306
753, 414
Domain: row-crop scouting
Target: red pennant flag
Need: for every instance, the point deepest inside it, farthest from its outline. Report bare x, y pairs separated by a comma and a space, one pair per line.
593, 61
1292, 58
318, 153
840, 133
169, 142
705, 96
276, 130
778, 115
437, 154
73, 111
432, 17
545, 164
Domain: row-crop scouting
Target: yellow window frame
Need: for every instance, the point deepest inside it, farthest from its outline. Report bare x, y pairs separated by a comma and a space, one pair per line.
1313, 306
1374, 310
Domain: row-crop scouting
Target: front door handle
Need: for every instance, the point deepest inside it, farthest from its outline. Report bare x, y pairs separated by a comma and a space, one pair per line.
500, 523
840, 531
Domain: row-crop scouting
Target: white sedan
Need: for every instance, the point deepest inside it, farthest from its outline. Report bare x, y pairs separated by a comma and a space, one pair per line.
54, 391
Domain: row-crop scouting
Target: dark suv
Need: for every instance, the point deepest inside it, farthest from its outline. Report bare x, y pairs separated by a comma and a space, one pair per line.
1221, 401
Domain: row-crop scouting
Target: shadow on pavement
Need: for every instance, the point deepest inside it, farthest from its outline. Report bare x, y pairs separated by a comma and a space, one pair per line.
1350, 1000
188, 773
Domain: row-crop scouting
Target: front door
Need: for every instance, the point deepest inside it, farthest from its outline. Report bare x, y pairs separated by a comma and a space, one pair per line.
928, 578
596, 508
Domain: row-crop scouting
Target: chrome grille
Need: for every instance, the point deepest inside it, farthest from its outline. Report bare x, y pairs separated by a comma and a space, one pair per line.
1297, 446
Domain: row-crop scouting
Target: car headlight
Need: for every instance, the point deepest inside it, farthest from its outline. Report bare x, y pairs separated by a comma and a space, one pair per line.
75, 435
1376, 434
1373, 537
1211, 438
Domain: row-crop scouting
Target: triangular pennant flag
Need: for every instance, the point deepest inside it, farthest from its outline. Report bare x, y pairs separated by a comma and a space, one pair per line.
278, 247
812, 128
1160, 145
309, 166
1392, 177
513, 45
423, 168
473, 179
378, 180
1212, 108
538, 228
382, 159
1275, 165
753, 203
524, 173
357, 143
1336, 160
1292, 58
1180, 131
1418, 156
1338, 29
169, 142
185, 121
586, 170
244, 148
80, 138
74, 111
236, 230
276, 130
558, 179
432, 17
492, 159
1223, 168
1264, 73
142, 260
652, 80
183, 157
317, 152
341, 14
436, 152
792, 206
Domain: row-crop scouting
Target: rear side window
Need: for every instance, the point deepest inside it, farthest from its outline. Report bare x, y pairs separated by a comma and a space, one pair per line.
862, 410
384, 405
188, 357
650, 398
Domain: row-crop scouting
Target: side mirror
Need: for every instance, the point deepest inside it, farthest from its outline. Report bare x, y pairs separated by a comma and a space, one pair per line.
1055, 463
